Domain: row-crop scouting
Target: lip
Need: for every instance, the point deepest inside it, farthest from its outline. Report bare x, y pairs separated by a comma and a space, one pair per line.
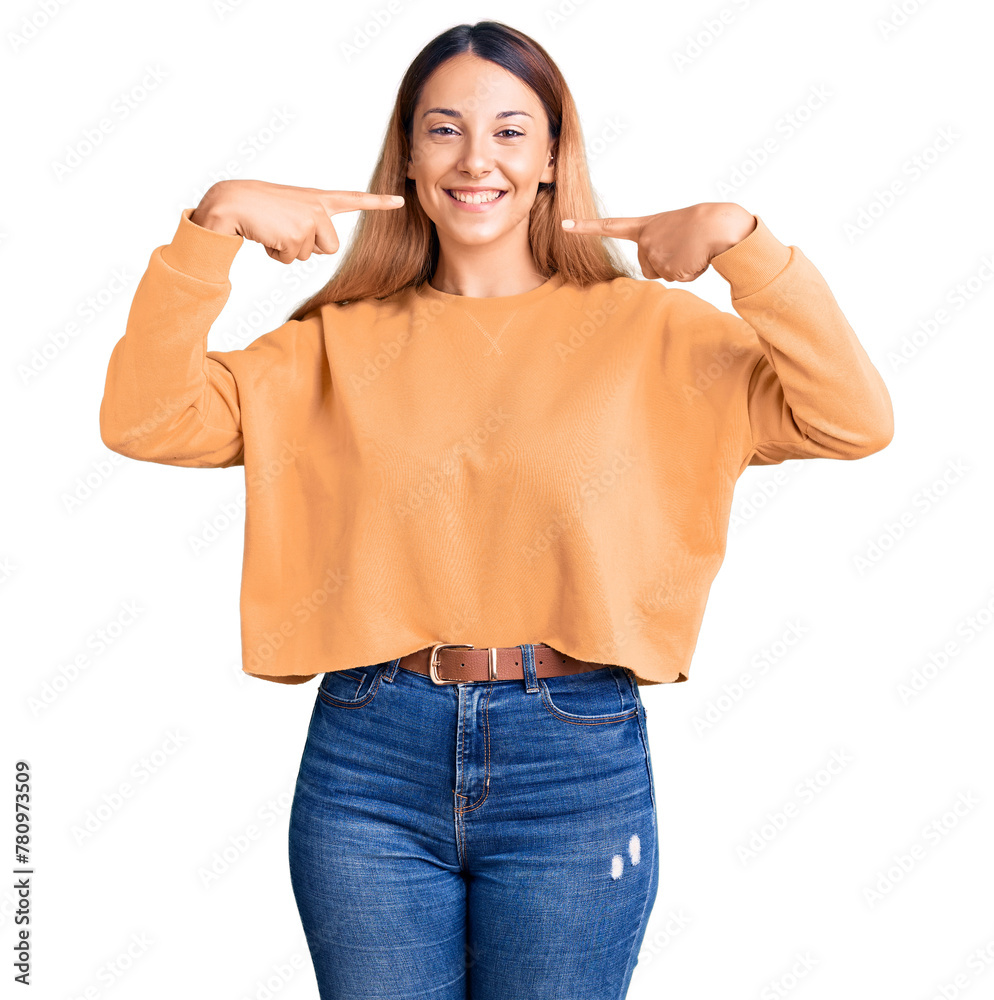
484, 206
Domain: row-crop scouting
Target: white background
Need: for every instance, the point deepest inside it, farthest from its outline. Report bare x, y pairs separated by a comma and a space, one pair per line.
812, 544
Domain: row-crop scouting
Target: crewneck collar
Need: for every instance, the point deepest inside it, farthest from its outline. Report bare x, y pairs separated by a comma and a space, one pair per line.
491, 303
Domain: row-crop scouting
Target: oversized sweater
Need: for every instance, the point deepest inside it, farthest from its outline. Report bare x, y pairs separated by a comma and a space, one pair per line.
554, 466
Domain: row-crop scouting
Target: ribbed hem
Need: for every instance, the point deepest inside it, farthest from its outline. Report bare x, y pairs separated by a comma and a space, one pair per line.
201, 253
753, 262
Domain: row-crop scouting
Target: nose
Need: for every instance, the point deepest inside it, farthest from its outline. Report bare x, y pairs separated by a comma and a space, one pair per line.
475, 159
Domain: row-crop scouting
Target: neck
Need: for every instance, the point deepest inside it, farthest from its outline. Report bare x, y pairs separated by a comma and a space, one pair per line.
486, 270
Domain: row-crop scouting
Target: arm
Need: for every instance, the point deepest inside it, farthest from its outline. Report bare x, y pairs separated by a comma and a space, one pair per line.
812, 390
166, 398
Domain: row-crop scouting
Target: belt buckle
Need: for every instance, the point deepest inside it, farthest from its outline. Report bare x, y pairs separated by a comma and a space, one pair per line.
433, 661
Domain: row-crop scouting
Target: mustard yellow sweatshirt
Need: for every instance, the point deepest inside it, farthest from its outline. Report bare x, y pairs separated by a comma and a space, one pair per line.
555, 466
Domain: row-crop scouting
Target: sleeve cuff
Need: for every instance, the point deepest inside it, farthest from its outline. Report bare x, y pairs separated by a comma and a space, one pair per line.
752, 262
199, 252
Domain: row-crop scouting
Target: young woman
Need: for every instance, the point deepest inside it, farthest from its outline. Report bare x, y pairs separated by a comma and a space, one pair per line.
488, 480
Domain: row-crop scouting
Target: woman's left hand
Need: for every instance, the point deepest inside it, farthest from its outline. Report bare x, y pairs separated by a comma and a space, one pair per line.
677, 245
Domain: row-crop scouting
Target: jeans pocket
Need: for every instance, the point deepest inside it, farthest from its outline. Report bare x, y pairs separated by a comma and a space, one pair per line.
593, 697
355, 687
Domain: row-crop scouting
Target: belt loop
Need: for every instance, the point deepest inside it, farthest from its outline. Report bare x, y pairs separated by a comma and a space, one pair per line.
528, 667
391, 671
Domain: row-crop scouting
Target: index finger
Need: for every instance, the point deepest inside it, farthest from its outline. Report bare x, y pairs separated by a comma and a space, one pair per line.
354, 201
625, 228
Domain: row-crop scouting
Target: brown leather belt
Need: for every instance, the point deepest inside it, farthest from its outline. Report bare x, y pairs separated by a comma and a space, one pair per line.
457, 662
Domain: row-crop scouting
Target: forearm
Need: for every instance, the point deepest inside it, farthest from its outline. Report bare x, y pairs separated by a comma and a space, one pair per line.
164, 399
814, 391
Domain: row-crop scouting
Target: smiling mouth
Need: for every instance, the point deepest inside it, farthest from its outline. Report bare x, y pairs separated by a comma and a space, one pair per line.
472, 200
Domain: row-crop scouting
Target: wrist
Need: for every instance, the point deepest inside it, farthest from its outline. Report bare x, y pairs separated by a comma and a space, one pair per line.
732, 224
212, 214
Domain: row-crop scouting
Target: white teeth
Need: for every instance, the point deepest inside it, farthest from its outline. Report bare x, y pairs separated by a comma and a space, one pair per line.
476, 199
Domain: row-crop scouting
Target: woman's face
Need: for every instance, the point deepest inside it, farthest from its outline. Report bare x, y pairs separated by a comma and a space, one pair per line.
462, 137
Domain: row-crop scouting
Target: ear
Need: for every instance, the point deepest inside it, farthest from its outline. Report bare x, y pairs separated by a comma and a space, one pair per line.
410, 169
549, 173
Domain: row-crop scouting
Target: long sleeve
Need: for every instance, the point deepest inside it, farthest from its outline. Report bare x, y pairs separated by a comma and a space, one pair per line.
166, 398
813, 391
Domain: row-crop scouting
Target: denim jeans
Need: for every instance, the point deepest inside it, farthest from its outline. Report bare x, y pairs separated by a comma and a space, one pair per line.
475, 841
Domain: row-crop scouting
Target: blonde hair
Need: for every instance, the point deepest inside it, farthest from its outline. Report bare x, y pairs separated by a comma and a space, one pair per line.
391, 250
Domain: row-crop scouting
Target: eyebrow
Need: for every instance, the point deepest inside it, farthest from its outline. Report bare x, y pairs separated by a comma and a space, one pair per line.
452, 113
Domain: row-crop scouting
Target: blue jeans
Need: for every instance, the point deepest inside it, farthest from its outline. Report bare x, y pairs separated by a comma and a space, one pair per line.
475, 841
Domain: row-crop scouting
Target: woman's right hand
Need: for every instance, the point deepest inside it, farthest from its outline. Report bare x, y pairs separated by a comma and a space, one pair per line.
290, 222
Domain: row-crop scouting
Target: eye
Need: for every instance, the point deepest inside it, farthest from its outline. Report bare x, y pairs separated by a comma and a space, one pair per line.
439, 130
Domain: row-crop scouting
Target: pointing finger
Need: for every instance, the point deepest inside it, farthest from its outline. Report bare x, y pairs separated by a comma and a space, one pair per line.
620, 228
353, 201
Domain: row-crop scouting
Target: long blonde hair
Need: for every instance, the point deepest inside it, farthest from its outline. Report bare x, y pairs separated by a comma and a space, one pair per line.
391, 250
